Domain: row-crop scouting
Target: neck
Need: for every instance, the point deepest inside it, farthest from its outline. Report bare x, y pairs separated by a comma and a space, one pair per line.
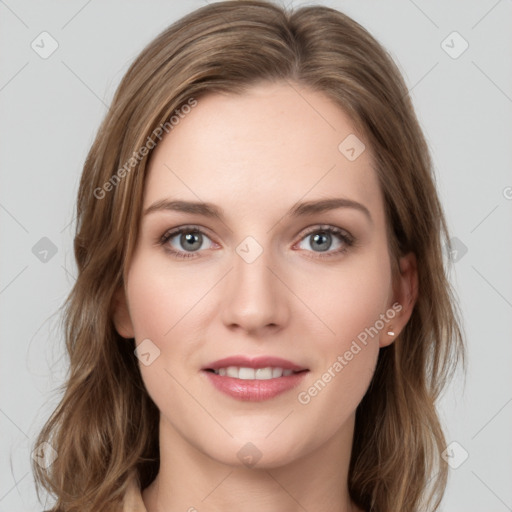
190, 480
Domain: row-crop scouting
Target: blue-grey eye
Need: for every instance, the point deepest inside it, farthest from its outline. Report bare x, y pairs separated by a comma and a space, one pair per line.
191, 241
322, 241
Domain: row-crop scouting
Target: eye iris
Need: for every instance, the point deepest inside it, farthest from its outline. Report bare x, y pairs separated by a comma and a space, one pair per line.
193, 240
324, 240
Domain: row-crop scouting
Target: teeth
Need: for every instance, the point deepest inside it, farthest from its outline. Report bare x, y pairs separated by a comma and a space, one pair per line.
264, 373
246, 373
251, 373
232, 371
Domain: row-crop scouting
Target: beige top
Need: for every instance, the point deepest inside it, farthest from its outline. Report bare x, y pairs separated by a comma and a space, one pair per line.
133, 498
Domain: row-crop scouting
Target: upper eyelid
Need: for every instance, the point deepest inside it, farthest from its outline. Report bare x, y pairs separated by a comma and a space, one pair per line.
172, 232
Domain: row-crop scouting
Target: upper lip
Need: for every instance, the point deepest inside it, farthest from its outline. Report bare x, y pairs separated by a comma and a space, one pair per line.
254, 362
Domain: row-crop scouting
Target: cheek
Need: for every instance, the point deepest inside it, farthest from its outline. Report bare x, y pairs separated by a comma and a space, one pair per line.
351, 306
349, 300
159, 299
160, 304
164, 306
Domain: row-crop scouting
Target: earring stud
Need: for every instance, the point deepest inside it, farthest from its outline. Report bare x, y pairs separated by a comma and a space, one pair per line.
391, 333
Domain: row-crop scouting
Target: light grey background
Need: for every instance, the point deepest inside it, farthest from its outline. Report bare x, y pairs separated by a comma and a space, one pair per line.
51, 109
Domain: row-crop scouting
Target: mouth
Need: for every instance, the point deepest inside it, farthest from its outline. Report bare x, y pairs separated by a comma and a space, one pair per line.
256, 379
245, 373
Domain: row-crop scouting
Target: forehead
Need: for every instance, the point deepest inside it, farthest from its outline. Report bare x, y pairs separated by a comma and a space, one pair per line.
268, 147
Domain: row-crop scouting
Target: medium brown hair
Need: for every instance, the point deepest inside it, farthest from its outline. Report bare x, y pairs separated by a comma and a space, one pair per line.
106, 425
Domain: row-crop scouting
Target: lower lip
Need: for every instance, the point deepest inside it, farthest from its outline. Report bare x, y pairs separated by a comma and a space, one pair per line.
254, 390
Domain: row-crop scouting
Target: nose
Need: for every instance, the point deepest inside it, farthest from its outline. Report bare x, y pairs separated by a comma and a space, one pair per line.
255, 299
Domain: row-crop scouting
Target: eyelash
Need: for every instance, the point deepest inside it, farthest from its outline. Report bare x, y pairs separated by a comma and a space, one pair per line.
345, 237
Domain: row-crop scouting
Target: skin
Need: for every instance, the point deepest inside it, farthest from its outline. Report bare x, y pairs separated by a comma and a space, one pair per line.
256, 155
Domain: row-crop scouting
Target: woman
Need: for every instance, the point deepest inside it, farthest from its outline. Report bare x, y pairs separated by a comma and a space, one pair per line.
261, 318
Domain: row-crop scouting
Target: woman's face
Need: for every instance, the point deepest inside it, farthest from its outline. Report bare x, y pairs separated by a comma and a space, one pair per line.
265, 278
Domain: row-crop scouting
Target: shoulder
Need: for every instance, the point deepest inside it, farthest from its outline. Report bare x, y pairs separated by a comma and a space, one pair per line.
133, 497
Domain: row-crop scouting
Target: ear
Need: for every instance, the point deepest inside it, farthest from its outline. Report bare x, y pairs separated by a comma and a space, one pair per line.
405, 294
121, 314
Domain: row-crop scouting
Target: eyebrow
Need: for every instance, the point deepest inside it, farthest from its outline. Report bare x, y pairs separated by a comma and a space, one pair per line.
298, 210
